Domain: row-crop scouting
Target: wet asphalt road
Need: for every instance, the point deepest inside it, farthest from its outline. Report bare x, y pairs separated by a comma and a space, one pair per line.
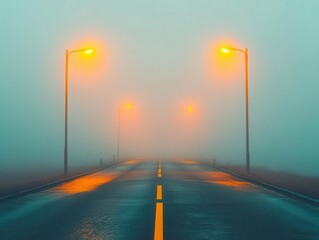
120, 203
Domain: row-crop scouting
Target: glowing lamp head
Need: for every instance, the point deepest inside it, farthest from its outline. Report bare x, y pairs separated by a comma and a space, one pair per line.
190, 108
128, 106
88, 51
225, 50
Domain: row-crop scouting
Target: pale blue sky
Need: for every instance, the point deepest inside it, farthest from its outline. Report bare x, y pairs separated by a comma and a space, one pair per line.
157, 56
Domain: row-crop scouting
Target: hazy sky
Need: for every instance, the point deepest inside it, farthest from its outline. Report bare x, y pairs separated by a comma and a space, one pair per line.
161, 56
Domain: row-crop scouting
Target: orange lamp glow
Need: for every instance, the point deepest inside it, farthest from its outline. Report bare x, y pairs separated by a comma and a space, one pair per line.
190, 108
128, 106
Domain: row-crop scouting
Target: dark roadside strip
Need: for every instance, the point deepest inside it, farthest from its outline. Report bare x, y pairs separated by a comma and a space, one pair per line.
53, 184
277, 189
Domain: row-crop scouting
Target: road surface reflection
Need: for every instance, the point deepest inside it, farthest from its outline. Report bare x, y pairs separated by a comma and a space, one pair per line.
86, 183
189, 162
225, 179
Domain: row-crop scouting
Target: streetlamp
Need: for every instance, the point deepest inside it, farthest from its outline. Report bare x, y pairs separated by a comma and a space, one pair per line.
191, 139
189, 108
67, 54
245, 52
127, 106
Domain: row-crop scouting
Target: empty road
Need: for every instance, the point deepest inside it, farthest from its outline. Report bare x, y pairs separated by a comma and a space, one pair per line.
158, 200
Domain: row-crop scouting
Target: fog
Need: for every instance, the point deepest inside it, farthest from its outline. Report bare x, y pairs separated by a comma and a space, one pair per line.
162, 57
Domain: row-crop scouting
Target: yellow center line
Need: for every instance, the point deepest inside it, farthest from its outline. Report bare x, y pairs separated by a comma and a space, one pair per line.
159, 192
159, 172
158, 231
158, 227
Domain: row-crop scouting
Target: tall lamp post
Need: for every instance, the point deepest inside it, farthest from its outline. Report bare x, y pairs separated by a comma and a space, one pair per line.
67, 55
127, 106
245, 52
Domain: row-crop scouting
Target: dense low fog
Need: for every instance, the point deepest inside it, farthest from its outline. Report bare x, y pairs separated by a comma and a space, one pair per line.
162, 58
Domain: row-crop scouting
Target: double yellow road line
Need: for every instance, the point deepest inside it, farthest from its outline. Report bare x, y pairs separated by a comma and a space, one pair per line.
158, 228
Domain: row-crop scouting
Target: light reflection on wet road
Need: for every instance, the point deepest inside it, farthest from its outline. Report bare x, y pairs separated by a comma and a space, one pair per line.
119, 203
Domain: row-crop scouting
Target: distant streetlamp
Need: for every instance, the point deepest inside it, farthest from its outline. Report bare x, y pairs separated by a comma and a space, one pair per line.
127, 106
245, 52
67, 54
190, 139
